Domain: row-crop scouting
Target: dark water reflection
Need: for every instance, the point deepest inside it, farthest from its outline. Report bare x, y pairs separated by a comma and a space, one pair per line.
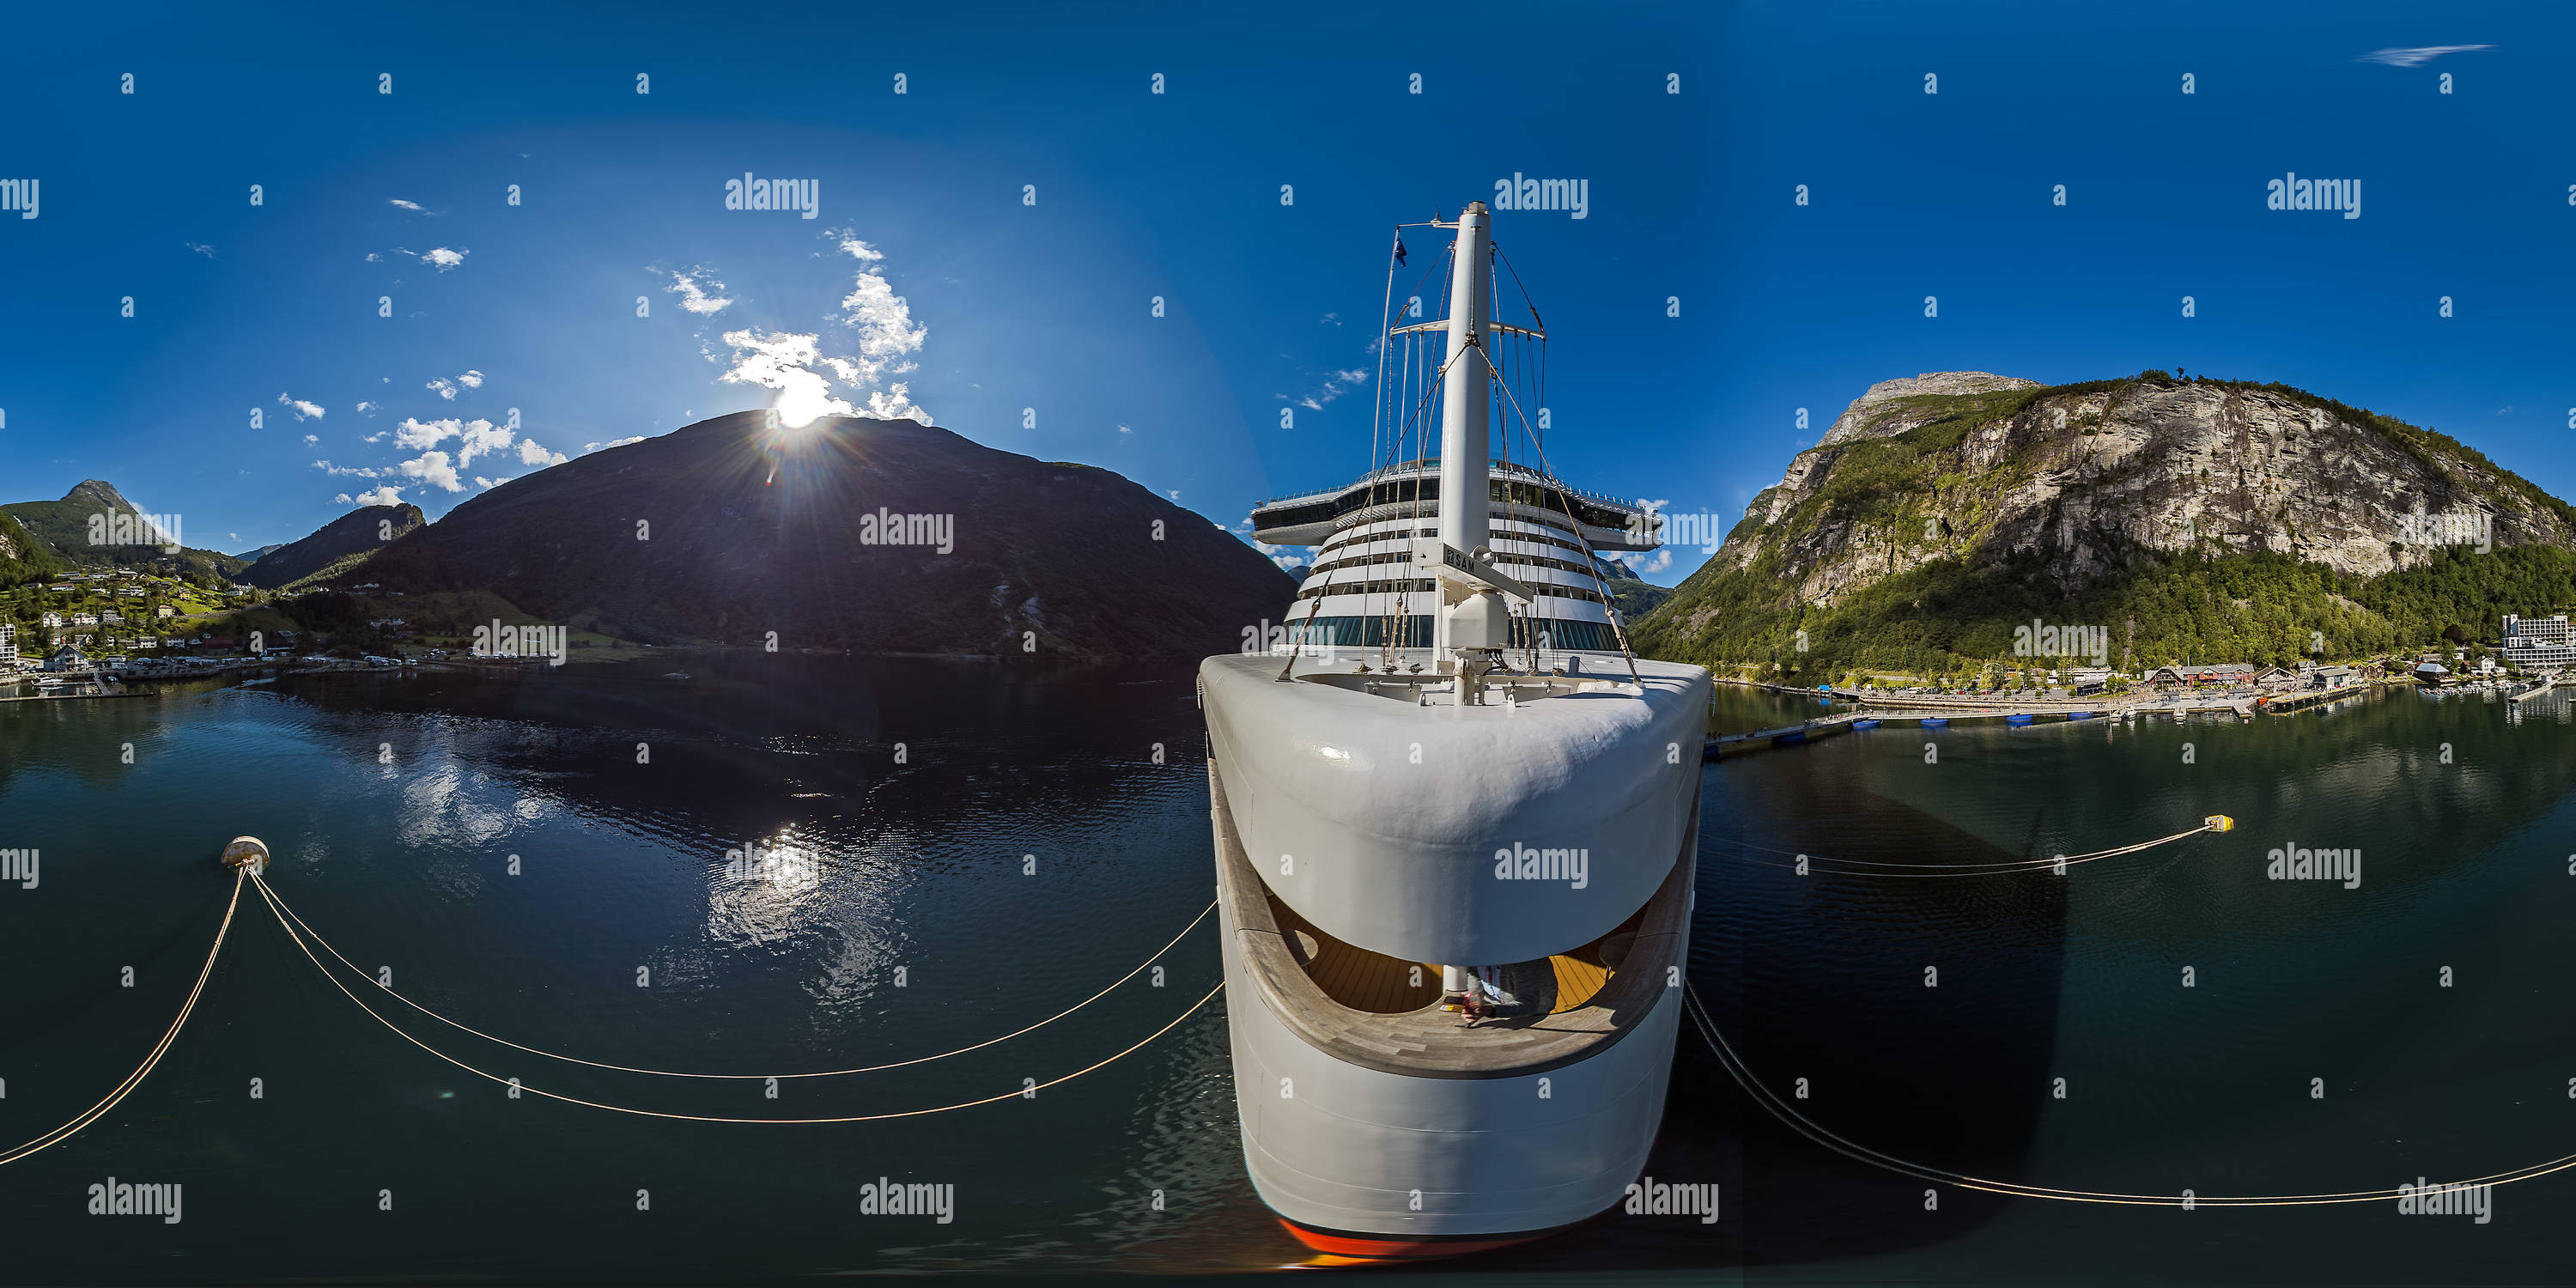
396, 803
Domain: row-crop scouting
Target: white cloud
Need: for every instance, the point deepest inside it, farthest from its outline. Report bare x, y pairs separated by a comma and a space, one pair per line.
311, 439
480, 436
784, 361
794, 364
2416, 57
698, 290
445, 259
407, 205
374, 258
1124, 430
851, 245
303, 410
1334, 386
885, 326
432, 468
376, 437
357, 471
443, 387
488, 484
588, 448
471, 380
1662, 559
207, 251
367, 409
531, 454
413, 435
385, 495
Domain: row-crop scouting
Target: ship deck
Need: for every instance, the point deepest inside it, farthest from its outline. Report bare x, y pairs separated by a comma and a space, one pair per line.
1330, 993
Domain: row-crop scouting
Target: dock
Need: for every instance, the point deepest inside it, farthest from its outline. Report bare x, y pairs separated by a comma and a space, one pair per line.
1722, 746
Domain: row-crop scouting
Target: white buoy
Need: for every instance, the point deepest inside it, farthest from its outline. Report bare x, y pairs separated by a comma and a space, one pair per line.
247, 852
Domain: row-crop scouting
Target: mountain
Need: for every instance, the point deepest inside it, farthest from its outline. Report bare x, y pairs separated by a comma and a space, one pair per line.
726, 531
254, 556
66, 525
348, 540
23, 558
2193, 519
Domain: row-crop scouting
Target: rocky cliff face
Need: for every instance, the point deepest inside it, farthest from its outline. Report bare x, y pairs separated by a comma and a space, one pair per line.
1983, 467
2183, 519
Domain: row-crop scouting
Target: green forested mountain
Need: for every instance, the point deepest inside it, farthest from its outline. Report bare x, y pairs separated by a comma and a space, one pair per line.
2192, 520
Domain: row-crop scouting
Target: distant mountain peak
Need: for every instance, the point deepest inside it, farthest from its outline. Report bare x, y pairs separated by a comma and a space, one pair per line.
101, 493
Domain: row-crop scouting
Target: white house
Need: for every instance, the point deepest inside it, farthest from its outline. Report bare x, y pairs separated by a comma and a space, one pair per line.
50, 621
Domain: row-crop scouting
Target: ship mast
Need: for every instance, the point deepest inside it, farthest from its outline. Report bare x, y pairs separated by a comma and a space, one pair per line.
1466, 396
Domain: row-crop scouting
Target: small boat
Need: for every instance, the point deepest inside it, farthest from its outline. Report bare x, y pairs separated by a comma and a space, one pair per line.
675, 675
1935, 722
2018, 718
2081, 715
1868, 723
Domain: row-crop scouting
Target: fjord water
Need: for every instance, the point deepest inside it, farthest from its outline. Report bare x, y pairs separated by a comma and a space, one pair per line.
395, 805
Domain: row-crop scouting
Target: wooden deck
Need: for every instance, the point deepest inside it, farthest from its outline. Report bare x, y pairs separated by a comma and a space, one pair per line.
1383, 985
1428, 1042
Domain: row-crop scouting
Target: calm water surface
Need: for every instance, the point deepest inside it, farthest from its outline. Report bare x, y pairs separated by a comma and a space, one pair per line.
395, 805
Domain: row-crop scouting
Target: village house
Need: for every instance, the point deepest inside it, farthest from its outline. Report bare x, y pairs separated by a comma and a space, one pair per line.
2198, 675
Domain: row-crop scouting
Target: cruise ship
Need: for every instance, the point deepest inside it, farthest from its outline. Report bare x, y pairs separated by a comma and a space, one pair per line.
1454, 821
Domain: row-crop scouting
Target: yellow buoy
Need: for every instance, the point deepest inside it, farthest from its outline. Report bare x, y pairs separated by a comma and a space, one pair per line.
247, 852
2219, 823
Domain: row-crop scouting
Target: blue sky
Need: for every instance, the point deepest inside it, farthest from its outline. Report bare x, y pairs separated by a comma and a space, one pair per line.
1009, 309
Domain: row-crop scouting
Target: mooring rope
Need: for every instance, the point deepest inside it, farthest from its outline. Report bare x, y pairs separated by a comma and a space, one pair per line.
1887, 868
1786, 1113
289, 913
135, 1079
1020, 1093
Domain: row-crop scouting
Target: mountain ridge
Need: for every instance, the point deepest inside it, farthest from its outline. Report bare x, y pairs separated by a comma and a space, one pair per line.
730, 531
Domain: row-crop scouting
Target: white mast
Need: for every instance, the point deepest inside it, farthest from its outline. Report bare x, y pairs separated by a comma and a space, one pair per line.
1466, 510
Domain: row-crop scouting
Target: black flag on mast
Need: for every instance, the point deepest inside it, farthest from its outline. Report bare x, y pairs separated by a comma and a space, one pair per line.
1399, 250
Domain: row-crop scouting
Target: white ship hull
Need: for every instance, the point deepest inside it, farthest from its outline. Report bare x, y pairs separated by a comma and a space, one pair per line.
1360, 840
